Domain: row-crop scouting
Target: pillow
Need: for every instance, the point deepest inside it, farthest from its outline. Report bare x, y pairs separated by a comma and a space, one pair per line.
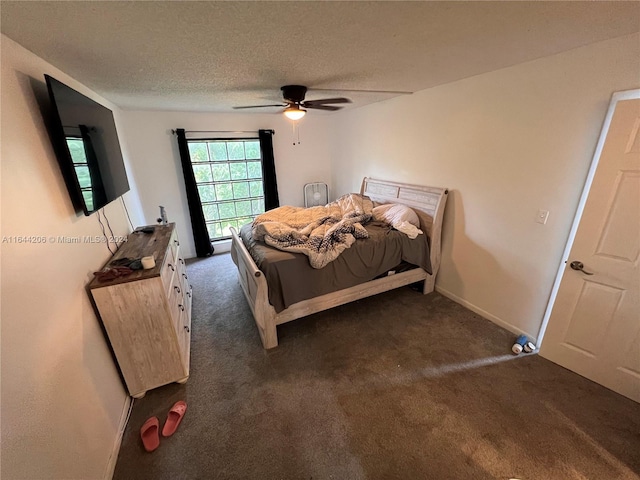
395, 214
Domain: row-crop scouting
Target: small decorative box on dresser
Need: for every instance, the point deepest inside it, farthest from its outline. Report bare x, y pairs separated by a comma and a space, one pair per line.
147, 314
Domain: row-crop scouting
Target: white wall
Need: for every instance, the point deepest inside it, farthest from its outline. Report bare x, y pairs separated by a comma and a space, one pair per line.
506, 143
157, 167
62, 399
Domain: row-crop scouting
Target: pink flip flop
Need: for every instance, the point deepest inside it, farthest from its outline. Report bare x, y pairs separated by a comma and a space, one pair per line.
149, 434
174, 417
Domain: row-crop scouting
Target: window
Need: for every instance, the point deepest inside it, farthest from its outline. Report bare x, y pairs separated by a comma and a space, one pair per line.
228, 176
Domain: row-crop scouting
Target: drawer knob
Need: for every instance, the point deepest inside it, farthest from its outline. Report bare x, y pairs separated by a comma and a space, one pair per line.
177, 288
181, 307
176, 242
172, 267
186, 327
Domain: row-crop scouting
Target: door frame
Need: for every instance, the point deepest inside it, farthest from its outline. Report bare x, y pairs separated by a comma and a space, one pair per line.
595, 161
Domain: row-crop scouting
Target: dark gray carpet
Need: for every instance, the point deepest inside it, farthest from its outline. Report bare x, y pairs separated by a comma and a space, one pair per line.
396, 386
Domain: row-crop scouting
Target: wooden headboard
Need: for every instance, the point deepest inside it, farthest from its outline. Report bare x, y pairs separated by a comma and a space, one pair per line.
426, 200
428, 203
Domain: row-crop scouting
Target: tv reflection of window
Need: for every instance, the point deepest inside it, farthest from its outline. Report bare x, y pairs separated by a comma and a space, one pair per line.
85, 164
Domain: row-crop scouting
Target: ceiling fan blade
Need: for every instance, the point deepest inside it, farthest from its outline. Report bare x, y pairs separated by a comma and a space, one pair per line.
395, 92
323, 101
330, 108
261, 106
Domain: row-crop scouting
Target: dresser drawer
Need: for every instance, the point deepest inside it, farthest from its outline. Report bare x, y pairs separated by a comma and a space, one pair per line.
184, 332
182, 272
186, 299
184, 338
168, 272
175, 300
174, 245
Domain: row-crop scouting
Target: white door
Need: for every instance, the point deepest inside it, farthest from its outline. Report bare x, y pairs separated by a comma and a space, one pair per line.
594, 324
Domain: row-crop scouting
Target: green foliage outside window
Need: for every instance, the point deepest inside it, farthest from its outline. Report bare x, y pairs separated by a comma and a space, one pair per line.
236, 150
224, 191
254, 170
198, 152
252, 150
228, 174
202, 173
218, 151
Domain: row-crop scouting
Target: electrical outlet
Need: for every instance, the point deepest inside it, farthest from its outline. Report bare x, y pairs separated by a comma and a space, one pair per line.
542, 216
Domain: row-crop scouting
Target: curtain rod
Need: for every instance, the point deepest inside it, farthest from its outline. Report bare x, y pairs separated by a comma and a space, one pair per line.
222, 131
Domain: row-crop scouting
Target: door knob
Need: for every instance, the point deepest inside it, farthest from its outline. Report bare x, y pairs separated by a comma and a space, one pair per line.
576, 265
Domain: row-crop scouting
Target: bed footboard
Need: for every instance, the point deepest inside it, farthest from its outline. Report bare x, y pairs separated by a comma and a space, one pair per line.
254, 286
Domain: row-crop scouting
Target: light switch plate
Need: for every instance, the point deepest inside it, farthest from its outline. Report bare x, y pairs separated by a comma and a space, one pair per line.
542, 216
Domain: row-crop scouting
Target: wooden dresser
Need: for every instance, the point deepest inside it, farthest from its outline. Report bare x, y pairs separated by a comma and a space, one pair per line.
147, 314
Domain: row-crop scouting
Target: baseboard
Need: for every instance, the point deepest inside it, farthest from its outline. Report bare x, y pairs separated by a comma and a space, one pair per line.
483, 313
124, 418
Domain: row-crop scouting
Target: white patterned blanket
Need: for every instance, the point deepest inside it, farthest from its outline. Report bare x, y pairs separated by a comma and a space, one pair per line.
322, 233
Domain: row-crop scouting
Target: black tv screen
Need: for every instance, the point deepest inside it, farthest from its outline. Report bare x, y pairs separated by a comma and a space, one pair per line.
86, 142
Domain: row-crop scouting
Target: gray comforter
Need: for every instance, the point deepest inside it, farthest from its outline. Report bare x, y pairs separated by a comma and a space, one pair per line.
291, 279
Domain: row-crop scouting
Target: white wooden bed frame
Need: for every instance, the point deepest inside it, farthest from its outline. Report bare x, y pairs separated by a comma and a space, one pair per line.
428, 202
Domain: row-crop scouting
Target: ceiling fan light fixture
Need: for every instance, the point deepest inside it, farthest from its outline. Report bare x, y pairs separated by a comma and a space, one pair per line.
294, 112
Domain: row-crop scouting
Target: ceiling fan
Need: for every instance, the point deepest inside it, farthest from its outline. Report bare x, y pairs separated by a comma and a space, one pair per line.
295, 104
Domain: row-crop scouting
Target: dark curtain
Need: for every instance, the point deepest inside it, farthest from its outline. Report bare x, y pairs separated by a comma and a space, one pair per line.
200, 233
271, 199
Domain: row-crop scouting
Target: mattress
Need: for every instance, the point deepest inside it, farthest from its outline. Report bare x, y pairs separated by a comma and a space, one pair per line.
291, 278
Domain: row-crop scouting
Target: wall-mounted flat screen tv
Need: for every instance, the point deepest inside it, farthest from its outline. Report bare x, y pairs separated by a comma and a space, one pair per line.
85, 140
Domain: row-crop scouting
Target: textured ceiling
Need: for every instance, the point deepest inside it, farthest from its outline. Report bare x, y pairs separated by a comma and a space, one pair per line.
210, 56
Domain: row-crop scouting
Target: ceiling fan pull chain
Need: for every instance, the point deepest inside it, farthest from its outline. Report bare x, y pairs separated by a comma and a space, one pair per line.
295, 133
